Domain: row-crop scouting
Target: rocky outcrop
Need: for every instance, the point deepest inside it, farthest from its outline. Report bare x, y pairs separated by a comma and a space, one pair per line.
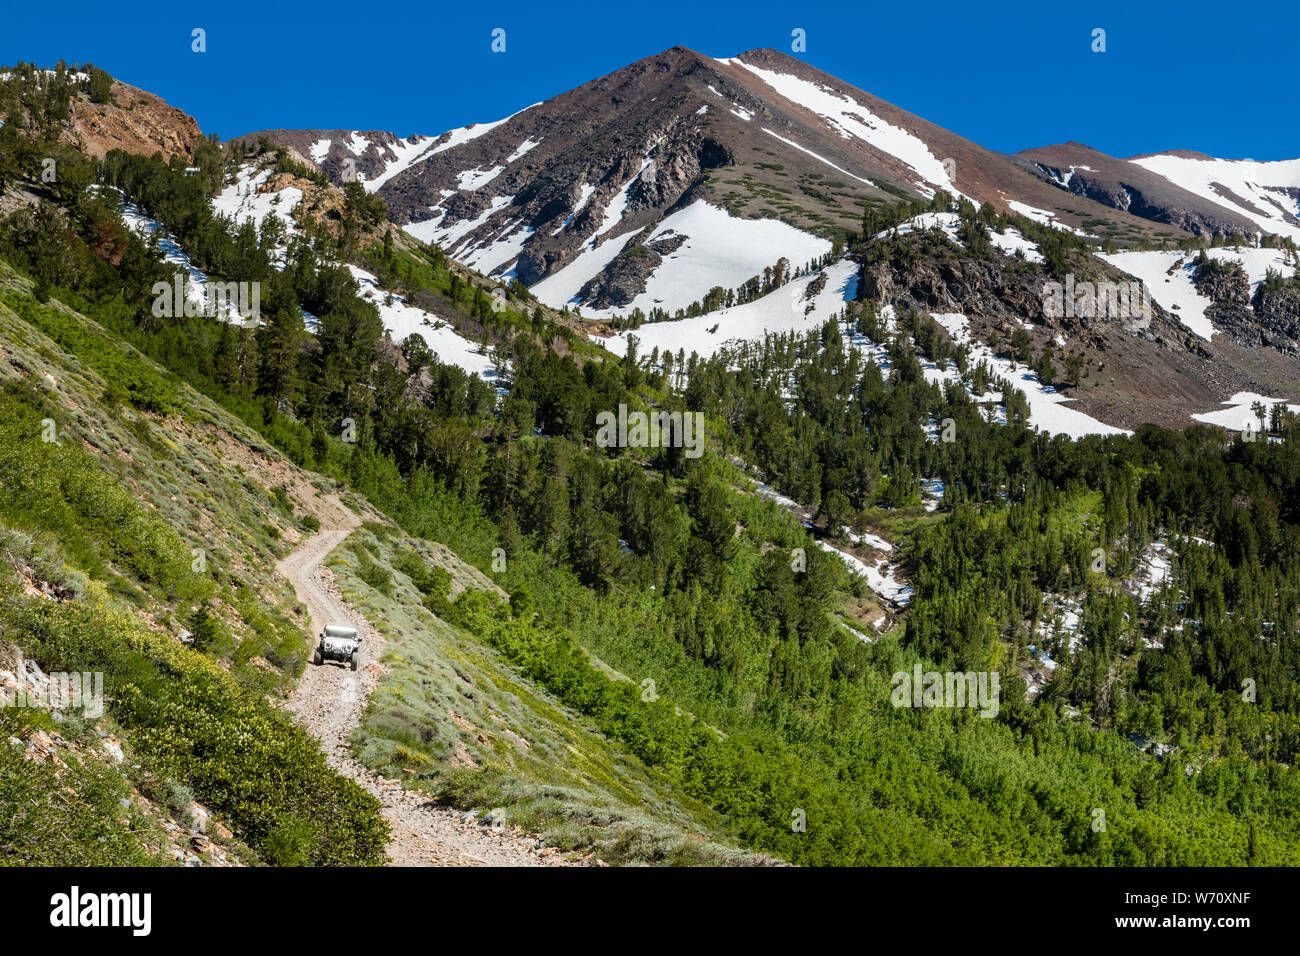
947, 283
622, 280
1131, 188
1273, 321
134, 121
1236, 321
1222, 282
1279, 309
625, 278
928, 274
676, 166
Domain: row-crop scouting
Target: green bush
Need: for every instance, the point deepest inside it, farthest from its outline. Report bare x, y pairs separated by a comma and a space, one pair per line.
126, 373
239, 756
56, 486
375, 575
433, 583
41, 826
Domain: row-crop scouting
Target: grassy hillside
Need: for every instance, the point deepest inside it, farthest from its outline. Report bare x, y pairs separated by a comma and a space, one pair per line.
141, 542
133, 549
455, 718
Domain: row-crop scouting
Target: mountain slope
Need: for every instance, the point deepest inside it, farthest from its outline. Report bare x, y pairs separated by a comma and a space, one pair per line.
694, 188
371, 157
95, 113
152, 490
681, 657
1191, 191
760, 135
1268, 194
133, 548
136, 121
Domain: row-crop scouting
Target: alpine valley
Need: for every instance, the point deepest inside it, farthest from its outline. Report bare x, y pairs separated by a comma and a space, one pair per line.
1023, 424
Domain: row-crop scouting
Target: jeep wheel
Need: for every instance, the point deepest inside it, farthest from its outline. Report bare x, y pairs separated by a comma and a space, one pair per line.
315, 655
356, 659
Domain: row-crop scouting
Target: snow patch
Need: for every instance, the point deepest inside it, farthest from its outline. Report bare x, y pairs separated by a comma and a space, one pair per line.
881, 578
1041, 216
783, 310
1249, 188
853, 120
1047, 409
405, 153
432, 230
402, 320
474, 179
720, 250
524, 147
1237, 413
505, 248
243, 201
1173, 289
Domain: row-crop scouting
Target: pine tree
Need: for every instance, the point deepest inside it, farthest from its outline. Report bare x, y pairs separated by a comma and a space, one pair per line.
278, 346
225, 358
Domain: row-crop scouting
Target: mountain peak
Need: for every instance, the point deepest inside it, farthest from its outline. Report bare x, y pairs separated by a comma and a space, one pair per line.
556, 195
761, 53
1180, 153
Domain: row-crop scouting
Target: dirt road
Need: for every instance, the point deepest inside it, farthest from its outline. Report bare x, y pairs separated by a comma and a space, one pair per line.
329, 702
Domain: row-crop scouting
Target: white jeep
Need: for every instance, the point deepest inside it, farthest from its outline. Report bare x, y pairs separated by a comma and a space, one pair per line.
338, 642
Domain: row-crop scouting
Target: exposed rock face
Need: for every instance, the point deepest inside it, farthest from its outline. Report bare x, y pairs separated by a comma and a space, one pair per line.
1123, 185
948, 283
1235, 321
1273, 322
1223, 283
1269, 319
321, 204
625, 278
676, 168
337, 152
1279, 310
136, 121
533, 265
1278, 315
1001, 292
667, 244
653, 181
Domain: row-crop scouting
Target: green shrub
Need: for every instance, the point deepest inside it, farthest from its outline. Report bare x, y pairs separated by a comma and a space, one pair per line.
289, 844
235, 753
125, 372
375, 575
206, 632
434, 583
41, 826
56, 486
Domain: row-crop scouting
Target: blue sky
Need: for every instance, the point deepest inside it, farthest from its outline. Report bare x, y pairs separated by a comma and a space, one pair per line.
1215, 77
